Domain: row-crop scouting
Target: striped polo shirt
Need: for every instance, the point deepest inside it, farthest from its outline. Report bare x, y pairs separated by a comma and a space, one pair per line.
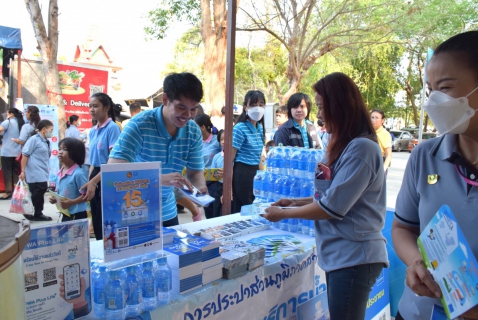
303, 132
248, 140
145, 139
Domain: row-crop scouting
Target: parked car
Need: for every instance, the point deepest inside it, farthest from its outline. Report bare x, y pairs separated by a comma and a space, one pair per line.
425, 136
401, 140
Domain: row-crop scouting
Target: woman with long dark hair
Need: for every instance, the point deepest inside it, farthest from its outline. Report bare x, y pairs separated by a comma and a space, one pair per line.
36, 155
102, 138
247, 142
349, 201
10, 129
33, 117
72, 125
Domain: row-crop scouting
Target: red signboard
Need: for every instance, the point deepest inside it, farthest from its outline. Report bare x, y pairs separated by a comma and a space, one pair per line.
77, 85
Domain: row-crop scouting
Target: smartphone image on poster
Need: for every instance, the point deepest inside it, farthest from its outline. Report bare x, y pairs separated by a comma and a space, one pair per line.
71, 278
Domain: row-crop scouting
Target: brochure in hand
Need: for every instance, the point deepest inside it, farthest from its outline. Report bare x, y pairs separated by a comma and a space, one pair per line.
203, 199
58, 198
451, 262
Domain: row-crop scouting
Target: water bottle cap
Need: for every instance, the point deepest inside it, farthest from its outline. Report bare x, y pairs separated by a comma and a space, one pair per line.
102, 269
148, 264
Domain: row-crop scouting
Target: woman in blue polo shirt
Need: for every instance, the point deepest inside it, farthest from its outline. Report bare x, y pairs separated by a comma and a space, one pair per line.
349, 203
452, 159
10, 129
210, 147
102, 138
297, 131
36, 155
247, 143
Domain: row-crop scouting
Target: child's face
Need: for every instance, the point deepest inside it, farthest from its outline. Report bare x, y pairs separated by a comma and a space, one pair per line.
222, 141
281, 118
63, 154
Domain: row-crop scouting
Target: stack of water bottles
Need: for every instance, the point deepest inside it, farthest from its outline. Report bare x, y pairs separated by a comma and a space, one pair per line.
290, 173
128, 292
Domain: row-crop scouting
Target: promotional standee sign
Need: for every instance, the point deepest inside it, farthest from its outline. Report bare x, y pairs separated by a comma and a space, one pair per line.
131, 202
56, 268
77, 85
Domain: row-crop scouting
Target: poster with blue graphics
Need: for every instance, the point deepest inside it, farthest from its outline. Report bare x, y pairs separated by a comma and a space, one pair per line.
56, 270
131, 205
450, 260
50, 112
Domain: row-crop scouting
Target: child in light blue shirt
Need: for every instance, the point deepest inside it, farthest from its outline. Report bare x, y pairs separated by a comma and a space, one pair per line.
71, 178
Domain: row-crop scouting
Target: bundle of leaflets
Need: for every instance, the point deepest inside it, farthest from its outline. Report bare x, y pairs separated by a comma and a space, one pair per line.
168, 235
451, 262
209, 248
234, 263
58, 199
203, 199
256, 253
186, 266
234, 229
277, 243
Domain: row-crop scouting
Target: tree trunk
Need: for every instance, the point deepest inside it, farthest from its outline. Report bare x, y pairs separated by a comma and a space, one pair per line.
215, 47
47, 40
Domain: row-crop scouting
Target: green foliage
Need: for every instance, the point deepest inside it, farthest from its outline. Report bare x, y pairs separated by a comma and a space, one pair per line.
170, 10
188, 54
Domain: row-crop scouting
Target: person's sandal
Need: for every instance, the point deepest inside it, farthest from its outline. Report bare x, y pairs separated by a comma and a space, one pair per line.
197, 217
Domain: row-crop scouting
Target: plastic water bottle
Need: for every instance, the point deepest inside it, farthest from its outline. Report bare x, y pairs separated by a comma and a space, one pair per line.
285, 187
311, 164
280, 156
295, 187
271, 184
272, 161
133, 291
278, 186
303, 163
284, 224
258, 184
311, 228
115, 296
276, 225
305, 227
286, 169
293, 224
307, 189
100, 279
294, 162
162, 276
149, 287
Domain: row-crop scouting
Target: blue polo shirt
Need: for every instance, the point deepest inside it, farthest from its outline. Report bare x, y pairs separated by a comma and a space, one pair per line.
210, 148
218, 161
418, 201
27, 131
303, 132
72, 132
145, 139
355, 198
248, 141
9, 147
68, 184
102, 139
38, 151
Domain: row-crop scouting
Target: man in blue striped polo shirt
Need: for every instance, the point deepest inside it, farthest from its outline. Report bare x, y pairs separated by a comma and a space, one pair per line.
166, 134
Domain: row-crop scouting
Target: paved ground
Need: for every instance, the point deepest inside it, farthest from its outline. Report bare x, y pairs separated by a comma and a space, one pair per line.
394, 179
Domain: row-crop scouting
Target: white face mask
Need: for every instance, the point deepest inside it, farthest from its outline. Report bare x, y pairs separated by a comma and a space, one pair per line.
449, 115
255, 113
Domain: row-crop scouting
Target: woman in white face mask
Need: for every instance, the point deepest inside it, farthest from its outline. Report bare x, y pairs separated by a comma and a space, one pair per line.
441, 171
247, 141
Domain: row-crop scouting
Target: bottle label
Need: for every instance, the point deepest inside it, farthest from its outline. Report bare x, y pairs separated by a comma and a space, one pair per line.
148, 288
133, 293
115, 301
99, 296
163, 284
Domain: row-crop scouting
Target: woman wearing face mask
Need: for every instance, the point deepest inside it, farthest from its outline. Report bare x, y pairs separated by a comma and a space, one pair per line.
72, 127
36, 155
10, 129
297, 131
453, 81
32, 114
247, 142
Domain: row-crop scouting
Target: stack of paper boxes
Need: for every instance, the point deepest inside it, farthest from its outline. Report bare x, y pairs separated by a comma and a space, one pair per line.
186, 266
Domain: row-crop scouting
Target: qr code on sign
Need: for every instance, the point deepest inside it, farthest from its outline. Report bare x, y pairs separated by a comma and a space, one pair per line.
49, 274
31, 279
95, 89
383, 316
